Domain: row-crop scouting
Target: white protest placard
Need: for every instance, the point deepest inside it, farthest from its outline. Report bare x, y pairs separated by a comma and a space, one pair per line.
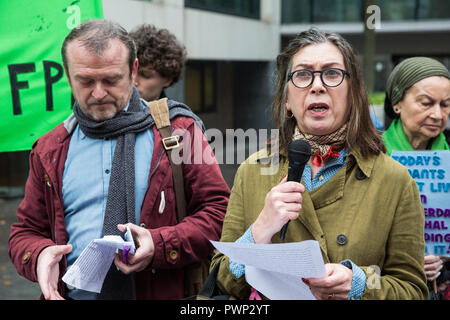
431, 171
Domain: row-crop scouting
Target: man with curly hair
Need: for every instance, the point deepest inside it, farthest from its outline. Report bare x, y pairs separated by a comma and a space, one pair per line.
161, 59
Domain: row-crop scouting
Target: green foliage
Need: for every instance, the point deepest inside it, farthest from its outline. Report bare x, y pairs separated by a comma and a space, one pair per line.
377, 98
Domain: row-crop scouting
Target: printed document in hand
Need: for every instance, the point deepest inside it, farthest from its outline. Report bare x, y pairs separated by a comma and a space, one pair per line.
89, 271
276, 270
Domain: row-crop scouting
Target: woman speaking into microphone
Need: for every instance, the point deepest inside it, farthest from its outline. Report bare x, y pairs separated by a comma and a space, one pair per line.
359, 204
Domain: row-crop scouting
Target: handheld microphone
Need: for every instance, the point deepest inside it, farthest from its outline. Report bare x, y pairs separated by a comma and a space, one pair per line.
299, 152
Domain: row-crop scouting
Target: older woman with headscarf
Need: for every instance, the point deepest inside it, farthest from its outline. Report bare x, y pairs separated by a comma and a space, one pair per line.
361, 206
418, 99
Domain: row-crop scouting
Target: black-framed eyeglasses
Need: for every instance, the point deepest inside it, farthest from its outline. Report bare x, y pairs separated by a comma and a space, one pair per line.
331, 77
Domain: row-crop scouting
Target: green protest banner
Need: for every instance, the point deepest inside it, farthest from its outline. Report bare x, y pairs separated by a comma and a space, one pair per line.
34, 92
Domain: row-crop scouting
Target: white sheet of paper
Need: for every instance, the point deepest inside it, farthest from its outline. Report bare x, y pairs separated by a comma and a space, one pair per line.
277, 286
89, 270
276, 270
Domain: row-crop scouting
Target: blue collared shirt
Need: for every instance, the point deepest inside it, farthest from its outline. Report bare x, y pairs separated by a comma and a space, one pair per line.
85, 186
325, 173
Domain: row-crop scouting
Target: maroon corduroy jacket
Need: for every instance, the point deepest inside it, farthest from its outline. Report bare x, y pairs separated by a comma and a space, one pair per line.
41, 215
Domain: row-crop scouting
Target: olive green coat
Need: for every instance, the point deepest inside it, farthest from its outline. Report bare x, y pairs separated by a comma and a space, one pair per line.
377, 209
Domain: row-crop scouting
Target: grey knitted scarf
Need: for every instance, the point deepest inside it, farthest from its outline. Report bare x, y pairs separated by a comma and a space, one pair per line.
120, 207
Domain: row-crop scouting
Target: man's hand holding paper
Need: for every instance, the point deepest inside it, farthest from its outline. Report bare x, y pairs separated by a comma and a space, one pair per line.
89, 270
144, 251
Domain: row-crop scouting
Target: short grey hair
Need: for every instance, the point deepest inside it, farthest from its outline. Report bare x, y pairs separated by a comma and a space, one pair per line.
95, 35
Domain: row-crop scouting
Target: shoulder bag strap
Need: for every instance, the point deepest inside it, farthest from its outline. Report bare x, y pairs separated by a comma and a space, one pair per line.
160, 113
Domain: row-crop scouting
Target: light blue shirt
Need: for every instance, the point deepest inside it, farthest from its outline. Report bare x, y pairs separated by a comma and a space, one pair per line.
87, 171
325, 173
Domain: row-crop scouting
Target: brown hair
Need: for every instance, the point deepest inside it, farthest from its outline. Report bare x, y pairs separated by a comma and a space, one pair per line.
95, 35
160, 50
361, 133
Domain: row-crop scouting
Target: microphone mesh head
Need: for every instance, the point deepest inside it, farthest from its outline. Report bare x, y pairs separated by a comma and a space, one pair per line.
299, 151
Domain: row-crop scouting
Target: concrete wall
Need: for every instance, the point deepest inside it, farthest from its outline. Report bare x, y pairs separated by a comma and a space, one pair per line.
162, 13
242, 48
207, 35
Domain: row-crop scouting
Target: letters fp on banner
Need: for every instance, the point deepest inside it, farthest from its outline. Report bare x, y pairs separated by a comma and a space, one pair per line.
34, 92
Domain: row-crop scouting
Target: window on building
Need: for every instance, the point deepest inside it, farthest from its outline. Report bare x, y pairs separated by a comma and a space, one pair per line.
200, 86
296, 11
397, 10
329, 11
311, 11
244, 8
337, 11
433, 9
